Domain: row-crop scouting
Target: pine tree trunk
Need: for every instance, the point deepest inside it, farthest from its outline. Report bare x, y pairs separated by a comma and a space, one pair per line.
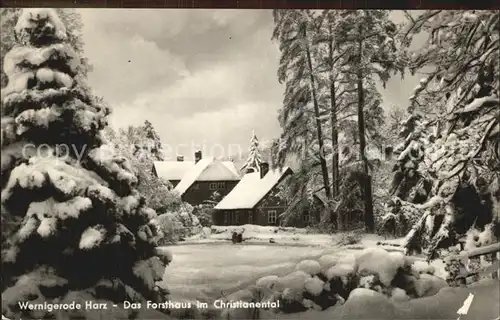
367, 183
335, 137
319, 131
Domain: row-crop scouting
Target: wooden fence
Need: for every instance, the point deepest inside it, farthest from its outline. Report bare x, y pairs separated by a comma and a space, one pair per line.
465, 265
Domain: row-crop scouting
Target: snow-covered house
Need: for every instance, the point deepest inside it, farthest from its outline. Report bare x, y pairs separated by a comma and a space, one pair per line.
196, 181
254, 200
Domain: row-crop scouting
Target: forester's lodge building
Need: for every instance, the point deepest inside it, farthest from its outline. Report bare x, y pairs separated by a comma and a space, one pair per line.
197, 180
254, 200
251, 199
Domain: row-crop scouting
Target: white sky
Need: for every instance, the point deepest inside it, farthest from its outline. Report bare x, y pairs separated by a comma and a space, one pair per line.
200, 76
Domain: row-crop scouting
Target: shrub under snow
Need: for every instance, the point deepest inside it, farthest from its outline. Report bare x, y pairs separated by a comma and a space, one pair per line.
314, 286
380, 262
268, 281
327, 261
423, 267
311, 267
179, 224
341, 270
373, 274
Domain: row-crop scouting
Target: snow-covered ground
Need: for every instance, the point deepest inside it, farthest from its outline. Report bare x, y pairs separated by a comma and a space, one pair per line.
253, 234
262, 234
206, 266
203, 270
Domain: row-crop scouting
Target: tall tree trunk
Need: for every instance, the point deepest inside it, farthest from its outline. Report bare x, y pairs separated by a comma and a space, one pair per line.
319, 131
335, 135
367, 183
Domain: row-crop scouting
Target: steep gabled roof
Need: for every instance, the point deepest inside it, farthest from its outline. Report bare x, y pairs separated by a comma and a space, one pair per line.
252, 189
232, 167
208, 169
175, 170
172, 170
321, 196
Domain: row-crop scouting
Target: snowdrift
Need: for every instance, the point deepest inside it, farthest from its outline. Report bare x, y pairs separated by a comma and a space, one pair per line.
384, 277
443, 305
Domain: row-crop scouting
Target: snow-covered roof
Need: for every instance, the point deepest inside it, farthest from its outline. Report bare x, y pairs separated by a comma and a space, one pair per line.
219, 171
172, 170
232, 167
321, 197
175, 170
207, 169
251, 190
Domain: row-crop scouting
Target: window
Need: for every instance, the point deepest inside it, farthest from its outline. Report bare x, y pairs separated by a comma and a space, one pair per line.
250, 217
196, 186
212, 186
306, 217
226, 217
236, 218
272, 216
216, 185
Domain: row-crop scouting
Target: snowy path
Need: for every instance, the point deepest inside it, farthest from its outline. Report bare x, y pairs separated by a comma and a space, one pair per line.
204, 270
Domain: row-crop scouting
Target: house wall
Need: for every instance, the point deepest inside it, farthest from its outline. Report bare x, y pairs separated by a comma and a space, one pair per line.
233, 217
201, 191
263, 213
270, 208
262, 216
269, 215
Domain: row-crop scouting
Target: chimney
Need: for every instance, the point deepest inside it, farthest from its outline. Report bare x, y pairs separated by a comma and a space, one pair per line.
180, 158
264, 169
197, 156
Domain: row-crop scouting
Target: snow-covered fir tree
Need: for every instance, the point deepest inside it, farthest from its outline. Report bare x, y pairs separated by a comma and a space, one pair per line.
300, 115
383, 172
80, 230
318, 116
153, 141
453, 171
254, 157
69, 17
301, 188
408, 182
369, 39
8, 19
